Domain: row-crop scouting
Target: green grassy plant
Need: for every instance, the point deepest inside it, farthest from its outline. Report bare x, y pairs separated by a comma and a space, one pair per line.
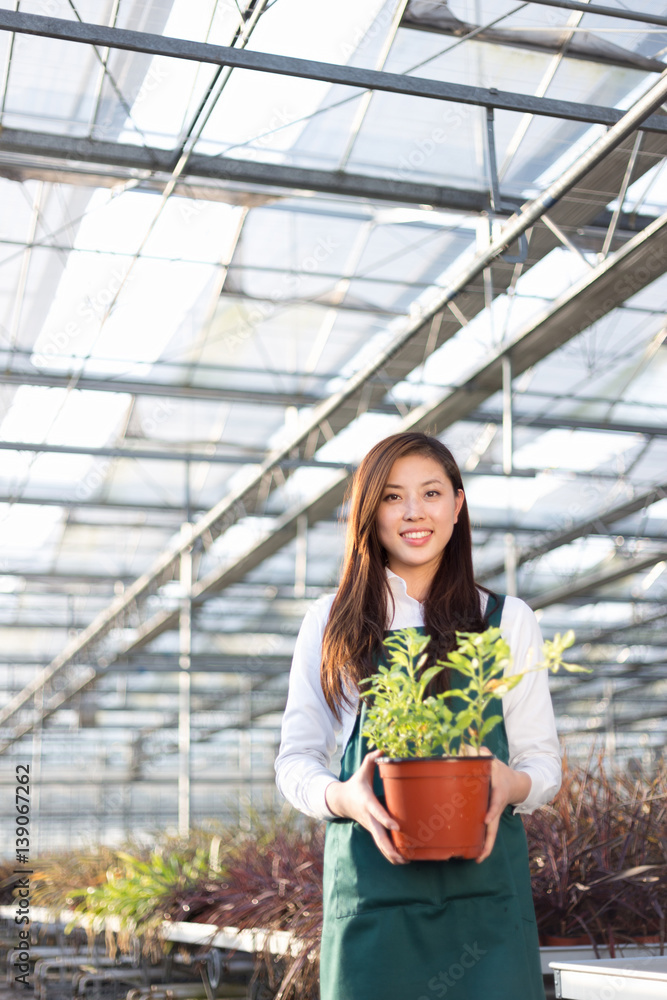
134, 890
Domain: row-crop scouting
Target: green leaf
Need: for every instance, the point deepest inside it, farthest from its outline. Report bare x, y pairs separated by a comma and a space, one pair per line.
489, 724
575, 668
429, 674
404, 722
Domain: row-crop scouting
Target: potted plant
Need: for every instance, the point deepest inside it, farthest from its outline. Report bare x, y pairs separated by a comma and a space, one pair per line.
436, 771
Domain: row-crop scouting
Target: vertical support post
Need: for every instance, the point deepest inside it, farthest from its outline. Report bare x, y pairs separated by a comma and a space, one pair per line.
245, 753
36, 773
610, 735
188, 495
510, 564
184, 685
494, 186
301, 557
508, 426
508, 465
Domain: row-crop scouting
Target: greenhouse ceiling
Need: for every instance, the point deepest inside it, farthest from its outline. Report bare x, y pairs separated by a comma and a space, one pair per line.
238, 245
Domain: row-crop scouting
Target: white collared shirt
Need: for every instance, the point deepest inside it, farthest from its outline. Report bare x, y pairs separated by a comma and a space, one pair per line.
310, 730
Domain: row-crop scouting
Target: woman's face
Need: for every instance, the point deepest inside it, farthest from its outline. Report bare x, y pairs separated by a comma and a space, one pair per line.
417, 514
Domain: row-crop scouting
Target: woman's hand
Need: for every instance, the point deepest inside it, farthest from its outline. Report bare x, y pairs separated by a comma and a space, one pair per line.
508, 787
354, 799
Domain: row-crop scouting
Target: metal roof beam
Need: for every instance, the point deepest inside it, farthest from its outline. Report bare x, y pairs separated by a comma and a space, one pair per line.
68, 503
218, 663
589, 526
179, 513
165, 390
149, 663
599, 530
618, 570
597, 293
480, 524
602, 636
622, 723
349, 76
168, 390
162, 455
641, 672
625, 13
542, 422
253, 397
213, 184
106, 163
539, 40
85, 780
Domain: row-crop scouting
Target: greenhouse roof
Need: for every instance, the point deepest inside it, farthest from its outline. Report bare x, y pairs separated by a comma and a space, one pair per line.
238, 245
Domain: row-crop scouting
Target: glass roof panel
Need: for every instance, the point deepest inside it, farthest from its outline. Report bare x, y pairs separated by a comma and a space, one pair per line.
351, 27
104, 307
574, 449
29, 535
61, 97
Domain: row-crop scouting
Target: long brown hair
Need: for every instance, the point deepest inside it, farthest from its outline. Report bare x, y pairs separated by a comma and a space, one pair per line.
360, 612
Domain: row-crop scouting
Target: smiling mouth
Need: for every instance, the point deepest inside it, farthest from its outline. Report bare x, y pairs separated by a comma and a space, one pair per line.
415, 534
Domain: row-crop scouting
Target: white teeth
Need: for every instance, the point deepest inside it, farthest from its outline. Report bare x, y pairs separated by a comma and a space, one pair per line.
416, 534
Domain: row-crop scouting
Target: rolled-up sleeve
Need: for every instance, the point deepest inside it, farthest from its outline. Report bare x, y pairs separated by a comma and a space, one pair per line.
528, 711
309, 727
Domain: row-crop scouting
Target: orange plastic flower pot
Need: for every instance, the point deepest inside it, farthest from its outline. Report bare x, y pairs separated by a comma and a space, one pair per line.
439, 803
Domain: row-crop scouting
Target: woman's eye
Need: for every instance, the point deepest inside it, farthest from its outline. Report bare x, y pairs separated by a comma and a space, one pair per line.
391, 496
432, 493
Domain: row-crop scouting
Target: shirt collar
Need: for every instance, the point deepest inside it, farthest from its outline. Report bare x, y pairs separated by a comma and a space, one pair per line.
407, 612
398, 585
400, 590
391, 576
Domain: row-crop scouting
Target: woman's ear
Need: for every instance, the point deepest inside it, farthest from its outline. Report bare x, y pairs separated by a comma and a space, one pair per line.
460, 497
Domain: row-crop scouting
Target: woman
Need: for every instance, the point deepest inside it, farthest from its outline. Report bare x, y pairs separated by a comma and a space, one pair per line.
415, 931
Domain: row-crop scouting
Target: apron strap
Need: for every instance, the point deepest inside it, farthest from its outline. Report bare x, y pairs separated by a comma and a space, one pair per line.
496, 603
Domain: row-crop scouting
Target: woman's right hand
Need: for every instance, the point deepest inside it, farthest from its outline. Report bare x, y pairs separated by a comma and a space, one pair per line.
355, 799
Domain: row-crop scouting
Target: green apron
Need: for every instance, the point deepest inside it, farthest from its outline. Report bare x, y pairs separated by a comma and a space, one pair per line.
427, 929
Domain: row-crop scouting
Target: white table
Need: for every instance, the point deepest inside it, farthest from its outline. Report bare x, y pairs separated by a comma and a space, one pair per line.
612, 979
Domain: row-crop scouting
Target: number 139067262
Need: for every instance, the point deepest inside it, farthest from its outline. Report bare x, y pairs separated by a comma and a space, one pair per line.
22, 812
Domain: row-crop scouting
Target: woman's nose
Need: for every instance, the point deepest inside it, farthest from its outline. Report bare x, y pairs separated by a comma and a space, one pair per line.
413, 508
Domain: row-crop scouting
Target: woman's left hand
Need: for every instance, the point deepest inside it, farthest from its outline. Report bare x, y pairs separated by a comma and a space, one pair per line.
508, 787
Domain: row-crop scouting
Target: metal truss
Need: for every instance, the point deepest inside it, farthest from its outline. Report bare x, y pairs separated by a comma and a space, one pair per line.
350, 76
100, 163
164, 455
617, 570
619, 633
168, 390
427, 21
620, 722
255, 397
214, 781
599, 523
574, 423
640, 671
239, 458
64, 159
626, 14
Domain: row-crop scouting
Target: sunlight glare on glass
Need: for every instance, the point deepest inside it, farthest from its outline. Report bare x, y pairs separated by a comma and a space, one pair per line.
573, 449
